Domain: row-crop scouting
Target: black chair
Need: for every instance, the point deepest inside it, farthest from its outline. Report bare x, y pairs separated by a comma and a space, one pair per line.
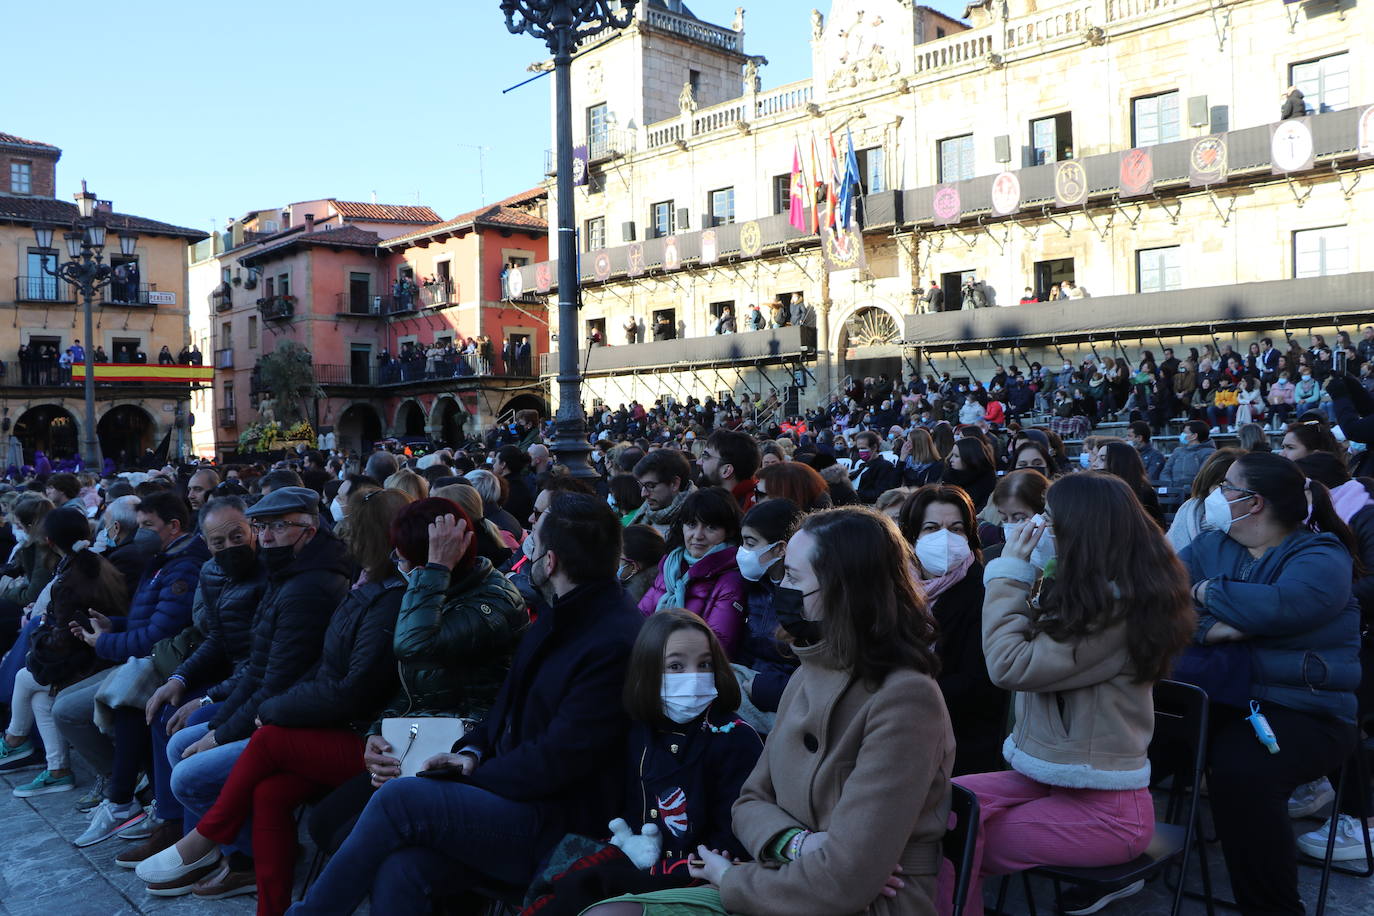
959, 842
1181, 723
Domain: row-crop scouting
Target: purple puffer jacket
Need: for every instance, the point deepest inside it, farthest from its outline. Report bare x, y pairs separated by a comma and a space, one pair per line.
715, 592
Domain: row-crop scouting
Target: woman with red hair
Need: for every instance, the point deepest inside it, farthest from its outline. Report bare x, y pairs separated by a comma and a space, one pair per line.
800, 483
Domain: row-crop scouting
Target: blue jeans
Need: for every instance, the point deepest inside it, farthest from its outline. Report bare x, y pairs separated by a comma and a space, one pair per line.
421, 838
168, 808
196, 781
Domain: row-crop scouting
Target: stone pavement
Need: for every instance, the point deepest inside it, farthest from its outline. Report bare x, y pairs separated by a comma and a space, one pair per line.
43, 874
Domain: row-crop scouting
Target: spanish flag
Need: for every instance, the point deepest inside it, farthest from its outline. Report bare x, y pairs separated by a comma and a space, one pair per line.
147, 372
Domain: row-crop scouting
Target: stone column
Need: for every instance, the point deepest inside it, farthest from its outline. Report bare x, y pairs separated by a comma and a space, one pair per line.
825, 375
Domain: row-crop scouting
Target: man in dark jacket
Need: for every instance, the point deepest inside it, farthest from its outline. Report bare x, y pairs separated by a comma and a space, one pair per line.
161, 607
874, 474
308, 574
126, 551
230, 587
547, 761
1294, 104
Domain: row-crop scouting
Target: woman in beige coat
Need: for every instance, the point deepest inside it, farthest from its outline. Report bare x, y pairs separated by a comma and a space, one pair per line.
846, 809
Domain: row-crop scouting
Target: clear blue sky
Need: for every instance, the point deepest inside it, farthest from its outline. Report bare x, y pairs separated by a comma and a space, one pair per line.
200, 113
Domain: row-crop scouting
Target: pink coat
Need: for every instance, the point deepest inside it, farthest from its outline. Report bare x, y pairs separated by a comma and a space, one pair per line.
715, 592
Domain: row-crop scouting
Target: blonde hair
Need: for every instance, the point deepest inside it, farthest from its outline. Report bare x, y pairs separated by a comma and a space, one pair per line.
407, 481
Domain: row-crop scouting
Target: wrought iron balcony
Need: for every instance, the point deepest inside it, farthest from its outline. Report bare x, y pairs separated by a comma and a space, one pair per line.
228, 416
224, 359
43, 289
277, 308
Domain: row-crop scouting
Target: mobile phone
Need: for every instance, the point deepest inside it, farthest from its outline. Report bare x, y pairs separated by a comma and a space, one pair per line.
447, 771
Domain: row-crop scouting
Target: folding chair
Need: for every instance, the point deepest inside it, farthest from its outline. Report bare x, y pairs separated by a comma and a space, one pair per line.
1180, 721
959, 842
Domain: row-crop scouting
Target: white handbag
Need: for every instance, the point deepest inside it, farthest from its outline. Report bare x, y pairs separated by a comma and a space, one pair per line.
416, 739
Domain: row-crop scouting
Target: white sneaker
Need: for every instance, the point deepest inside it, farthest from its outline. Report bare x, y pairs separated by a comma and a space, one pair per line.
143, 829
1310, 798
1349, 840
108, 820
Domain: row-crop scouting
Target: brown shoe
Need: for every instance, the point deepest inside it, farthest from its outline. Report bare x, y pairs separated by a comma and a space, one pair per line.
225, 882
163, 835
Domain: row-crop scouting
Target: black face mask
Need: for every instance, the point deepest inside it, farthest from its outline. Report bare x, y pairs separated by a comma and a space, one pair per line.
278, 558
787, 604
238, 562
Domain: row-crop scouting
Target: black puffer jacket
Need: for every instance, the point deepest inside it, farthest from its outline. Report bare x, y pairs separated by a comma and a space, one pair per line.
223, 610
454, 639
356, 670
288, 631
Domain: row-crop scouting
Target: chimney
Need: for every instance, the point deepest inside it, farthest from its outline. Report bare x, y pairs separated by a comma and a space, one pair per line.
309, 222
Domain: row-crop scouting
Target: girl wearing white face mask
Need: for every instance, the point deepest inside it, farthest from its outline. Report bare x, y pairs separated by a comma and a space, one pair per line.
764, 665
939, 521
687, 754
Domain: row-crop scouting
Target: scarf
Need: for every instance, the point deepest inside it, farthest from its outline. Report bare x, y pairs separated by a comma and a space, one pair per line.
675, 569
1349, 498
933, 588
664, 516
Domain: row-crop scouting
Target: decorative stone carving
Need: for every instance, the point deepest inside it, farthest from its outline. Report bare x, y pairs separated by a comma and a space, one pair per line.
738, 24
752, 82
687, 99
995, 61
817, 25
1095, 35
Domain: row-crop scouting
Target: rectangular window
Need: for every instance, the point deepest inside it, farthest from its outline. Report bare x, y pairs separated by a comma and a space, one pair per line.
694, 80
38, 285
782, 193
252, 332
663, 222
226, 335
1051, 139
1324, 82
1321, 252
359, 293
1158, 269
956, 158
283, 284
228, 398
1049, 275
595, 233
21, 177
598, 130
722, 207
872, 172
1155, 119
596, 331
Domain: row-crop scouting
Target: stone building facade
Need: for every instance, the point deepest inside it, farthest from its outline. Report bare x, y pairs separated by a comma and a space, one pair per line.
939, 112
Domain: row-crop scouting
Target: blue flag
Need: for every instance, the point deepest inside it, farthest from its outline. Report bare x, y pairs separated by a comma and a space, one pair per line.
849, 187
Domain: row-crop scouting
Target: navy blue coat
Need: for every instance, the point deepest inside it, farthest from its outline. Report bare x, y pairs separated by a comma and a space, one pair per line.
161, 607
555, 737
761, 651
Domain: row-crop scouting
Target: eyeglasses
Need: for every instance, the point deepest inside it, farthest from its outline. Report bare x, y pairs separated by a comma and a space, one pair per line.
650, 484
278, 527
1231, 488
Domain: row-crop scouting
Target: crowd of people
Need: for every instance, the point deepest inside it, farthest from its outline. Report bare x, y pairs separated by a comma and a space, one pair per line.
44, 364
738, 670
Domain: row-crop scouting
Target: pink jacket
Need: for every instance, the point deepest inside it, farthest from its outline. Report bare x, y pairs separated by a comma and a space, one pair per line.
715, 592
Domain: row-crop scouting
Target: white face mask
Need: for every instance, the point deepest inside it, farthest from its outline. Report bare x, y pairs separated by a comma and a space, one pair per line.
527, 548
751, 564
338, 509
940, 551
1044, 551
103, 541
20, 535
686, 696
1216, 510
1085, 460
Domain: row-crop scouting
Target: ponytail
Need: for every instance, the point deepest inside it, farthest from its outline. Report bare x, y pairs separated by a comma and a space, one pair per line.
1324, 518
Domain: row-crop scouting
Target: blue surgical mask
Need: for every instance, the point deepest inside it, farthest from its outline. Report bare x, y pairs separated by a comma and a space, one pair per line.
1183, 438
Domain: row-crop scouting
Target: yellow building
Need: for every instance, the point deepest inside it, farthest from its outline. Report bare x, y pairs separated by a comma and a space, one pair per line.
139, 313
1134, 148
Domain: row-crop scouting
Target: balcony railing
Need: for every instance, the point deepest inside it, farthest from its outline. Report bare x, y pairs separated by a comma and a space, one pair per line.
224, 359
228, 416
378, 306
221, 299
277, 308
436, 294
606, 144
403, 372
118, 293
43, 289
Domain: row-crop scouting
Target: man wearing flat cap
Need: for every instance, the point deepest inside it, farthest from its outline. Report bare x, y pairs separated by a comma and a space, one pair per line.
308, 574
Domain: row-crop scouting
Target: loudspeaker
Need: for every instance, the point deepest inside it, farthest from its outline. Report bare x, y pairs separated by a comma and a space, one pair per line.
627, 232
1198, 115
1002, 147
706, 221
684, 219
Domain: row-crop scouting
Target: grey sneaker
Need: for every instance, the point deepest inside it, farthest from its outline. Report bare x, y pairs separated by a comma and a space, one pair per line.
143, 829
92, 799
109, 819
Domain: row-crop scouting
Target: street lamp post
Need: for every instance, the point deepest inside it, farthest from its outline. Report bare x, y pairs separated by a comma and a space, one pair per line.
561, 24
86, 270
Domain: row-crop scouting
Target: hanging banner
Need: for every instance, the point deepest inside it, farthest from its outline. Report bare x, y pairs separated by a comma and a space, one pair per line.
710, 247
601, 266
1137, 173
634, 260
843, 249
579, 165
1006, 194
515, 283
543, 277
1366, 134
672, 256
945, 206
1070, 184
1207, 161
146, 372
1290, 147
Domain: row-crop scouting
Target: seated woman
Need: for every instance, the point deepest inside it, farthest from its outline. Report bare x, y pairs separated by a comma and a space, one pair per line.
56, 659
1122, 460
800, 483
854, 779
763, 664
1083, 656
1018, 496
310, 737
642, 549
1276, 576
699, 572
972, 468
938, 522
687, 756
1190, 519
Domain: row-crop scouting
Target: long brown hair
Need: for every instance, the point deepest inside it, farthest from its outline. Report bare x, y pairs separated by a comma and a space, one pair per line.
1120, 571
796, 482
913, 514
370, 514
644, 676
884, 625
